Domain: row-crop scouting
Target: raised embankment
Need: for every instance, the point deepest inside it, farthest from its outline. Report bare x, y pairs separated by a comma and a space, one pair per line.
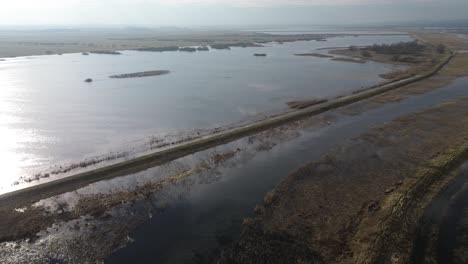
31, 194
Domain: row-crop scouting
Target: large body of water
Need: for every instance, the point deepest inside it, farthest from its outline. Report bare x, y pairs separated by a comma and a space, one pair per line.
49, 115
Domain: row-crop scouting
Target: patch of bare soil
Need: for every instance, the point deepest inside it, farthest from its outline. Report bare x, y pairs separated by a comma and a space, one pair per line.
361, 202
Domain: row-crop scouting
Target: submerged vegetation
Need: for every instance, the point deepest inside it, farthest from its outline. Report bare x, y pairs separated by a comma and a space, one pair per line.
356, 204
68, 168
338, 203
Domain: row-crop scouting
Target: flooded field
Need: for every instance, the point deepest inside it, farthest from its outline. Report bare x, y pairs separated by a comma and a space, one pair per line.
442, 235
51, 120
205, 217
234, 132
189, 209
189, 219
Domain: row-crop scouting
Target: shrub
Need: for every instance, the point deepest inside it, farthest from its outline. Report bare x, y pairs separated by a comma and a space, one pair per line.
366, 53
412, 47
441, 48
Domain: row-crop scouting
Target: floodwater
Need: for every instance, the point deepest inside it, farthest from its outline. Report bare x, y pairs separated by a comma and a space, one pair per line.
447, 213
281, 30
49, 116
193, 228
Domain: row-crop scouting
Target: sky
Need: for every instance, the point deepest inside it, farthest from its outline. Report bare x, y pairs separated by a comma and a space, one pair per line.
226, 12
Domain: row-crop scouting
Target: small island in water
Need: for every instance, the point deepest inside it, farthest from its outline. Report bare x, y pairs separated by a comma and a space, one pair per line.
139, 74
188, 49
313, 55
106, 52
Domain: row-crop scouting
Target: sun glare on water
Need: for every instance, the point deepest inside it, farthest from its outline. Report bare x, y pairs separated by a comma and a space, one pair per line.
11, 162
13, 138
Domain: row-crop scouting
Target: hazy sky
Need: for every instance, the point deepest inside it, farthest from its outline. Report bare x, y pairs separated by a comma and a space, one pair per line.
225, 12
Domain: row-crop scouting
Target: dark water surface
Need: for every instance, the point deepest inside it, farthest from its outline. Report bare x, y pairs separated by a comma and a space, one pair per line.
448, 213
192, 229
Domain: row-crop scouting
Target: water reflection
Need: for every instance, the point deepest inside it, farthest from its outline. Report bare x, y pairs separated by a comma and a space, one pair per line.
14, 140
49, 115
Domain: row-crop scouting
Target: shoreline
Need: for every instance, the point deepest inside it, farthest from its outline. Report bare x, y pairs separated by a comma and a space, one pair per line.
360, 203
392, 160
110, 45
364, 202
40, 191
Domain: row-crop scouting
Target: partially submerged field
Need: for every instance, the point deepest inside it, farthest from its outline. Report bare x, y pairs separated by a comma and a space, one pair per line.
457, 67
14, 43
452, 41
417, 56
361, 202
340, 209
